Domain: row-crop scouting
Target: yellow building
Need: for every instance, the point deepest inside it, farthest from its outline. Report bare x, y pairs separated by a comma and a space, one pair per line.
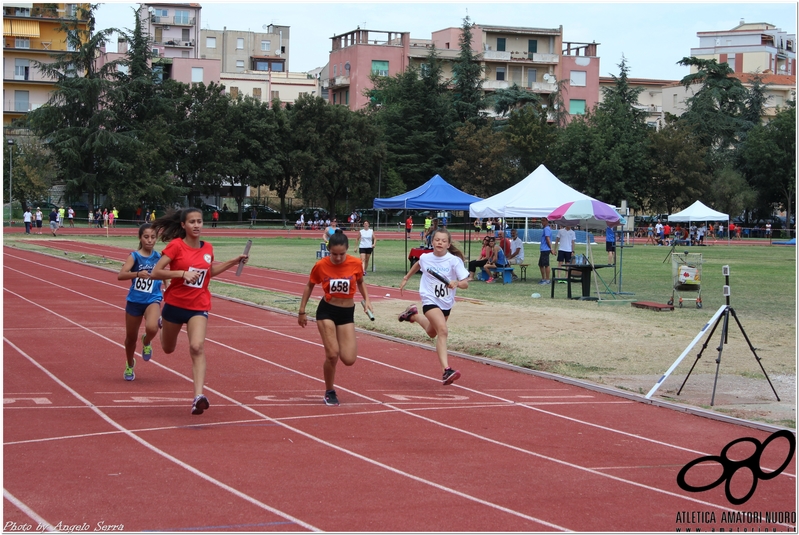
31, 32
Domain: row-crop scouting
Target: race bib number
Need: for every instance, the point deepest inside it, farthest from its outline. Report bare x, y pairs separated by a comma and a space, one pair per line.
441, 290
340, 286
143, 285
199, 282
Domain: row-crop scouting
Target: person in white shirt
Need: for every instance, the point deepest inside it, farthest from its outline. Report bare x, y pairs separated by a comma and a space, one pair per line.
367, 244
27, 218
516, 249
38, 220
565, 245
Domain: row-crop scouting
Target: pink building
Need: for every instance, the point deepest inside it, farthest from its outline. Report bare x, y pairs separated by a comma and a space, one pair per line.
580, 68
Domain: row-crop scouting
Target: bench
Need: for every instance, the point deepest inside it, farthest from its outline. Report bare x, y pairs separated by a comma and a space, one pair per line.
505, 272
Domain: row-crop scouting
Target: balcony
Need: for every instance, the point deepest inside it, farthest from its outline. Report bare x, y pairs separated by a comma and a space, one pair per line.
173, 43
14, 106
173, 21
339, 81
10, 75
493, 55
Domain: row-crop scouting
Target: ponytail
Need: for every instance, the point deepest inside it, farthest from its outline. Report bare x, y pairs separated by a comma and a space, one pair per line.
169, 226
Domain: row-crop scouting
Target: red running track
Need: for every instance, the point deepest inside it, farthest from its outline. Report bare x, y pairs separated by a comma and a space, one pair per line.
497, 451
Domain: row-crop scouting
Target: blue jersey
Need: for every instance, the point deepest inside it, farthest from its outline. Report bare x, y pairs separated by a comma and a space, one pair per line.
610, 235
145, 291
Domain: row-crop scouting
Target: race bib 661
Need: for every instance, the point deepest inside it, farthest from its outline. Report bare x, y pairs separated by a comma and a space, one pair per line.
199, 282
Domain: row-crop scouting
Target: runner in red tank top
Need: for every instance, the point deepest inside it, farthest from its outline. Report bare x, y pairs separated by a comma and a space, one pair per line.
187, 300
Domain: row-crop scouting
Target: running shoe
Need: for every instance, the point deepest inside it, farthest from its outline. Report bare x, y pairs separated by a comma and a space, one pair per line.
200, 404
146, 350
409, 313
450, 376
331, 399
129, 375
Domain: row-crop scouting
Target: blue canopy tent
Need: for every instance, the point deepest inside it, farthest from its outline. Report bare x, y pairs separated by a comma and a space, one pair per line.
435, 194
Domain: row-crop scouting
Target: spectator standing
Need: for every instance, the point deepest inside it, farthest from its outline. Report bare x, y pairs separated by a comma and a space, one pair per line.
54, 221
111, 218
545, 252
408, 226
137, 215
366, 245
610, 244
71, 217
91, 217
214, 218
768, 230
147, 216
115, 213
650, 235
253, 216
565, 245
721, 230
61, 216
38, 220
659, 232
27, 218
667, 232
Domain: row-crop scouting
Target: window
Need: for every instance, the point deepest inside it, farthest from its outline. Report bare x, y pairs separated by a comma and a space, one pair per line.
22, 42
184, 35
347, 97
277, 66
21, 101
240, 43
380, 67
158, 71
239, 65
181, 17
161, 12
577, 78
516, 75
532, 46
335, 70
275, 95
156, 53
256, 92
184, 54
210, 42
71, 10
21, 69
577, 107
500, 73
532, 77
196, 75
23, 12
500, 44
266, 46
261, 65
234, 92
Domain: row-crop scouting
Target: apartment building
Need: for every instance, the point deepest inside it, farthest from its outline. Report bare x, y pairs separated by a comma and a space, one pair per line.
750, 47
31, 32
531, 58
650, 100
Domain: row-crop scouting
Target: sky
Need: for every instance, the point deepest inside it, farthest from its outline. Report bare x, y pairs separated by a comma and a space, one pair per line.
652, 37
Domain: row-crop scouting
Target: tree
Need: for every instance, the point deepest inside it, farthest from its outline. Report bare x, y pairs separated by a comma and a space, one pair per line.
531, 137
715, 111
282, 169
482, 160
679, 173
513, 98
76, 123
34, 170
338, 154
730, 192
467, 79
767, 158
414, 111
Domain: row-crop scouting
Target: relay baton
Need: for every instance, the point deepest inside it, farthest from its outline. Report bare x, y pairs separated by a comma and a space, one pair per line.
241, 262
368, 312
437, 275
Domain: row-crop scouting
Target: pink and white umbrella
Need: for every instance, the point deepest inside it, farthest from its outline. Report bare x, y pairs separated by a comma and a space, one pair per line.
587, 213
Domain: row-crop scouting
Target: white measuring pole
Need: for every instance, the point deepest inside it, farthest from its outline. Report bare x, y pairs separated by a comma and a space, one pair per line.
687, 349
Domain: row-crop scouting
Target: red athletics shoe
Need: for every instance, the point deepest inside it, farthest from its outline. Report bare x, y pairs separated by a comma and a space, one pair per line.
409, 313
450, 376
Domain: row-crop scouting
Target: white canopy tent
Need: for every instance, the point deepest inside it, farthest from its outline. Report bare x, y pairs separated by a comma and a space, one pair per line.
698, 212
536, 196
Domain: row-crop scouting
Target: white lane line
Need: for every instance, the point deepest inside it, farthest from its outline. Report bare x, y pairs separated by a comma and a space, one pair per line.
43, 525
267, 418
153, 448
655, 489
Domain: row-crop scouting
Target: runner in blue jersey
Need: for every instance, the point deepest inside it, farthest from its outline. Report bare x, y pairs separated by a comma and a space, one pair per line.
144, 298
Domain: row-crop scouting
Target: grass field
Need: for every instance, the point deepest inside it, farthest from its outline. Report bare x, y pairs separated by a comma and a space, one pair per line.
601, 342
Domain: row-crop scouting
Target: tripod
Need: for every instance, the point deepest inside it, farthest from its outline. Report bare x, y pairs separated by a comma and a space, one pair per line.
724, 314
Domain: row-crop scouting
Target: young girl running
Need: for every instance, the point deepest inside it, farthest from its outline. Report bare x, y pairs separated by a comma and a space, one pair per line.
437, 297
338, 274
144, 298
188, 300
